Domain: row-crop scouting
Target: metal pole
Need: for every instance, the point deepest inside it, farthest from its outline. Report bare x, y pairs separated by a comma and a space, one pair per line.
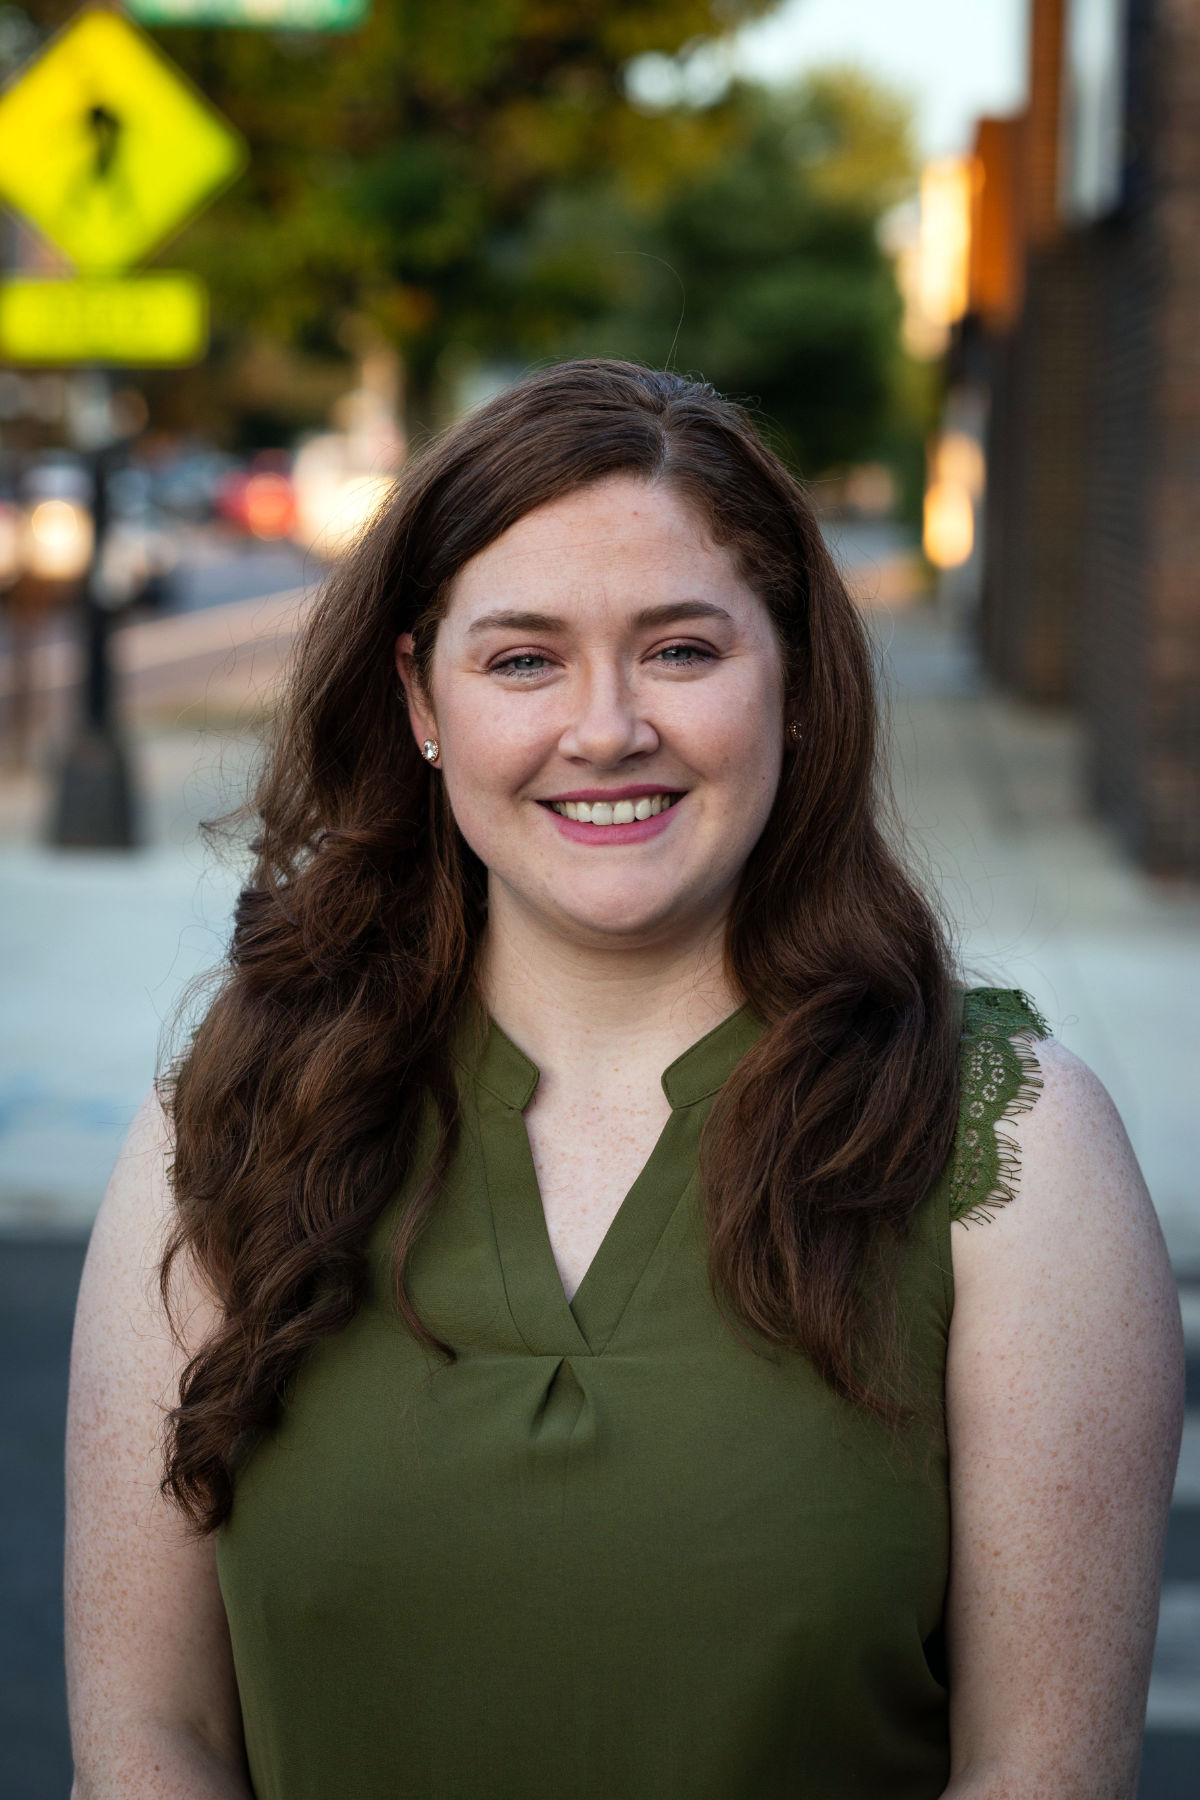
95, 806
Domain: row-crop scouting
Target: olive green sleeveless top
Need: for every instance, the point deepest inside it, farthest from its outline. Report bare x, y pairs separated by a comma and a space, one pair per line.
610, 1552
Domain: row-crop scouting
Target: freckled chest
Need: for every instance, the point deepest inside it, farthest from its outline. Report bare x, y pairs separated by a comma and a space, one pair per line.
588, 1150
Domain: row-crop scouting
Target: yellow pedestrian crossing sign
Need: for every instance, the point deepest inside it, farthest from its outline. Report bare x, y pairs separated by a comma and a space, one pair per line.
107, 147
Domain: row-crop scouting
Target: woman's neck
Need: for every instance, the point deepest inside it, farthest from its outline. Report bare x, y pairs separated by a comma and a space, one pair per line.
577, 1009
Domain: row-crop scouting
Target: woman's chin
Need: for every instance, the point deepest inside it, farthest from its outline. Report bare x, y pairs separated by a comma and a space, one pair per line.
634, 920
605, 908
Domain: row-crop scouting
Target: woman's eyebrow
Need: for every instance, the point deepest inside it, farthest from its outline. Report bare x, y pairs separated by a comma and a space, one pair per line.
673, 612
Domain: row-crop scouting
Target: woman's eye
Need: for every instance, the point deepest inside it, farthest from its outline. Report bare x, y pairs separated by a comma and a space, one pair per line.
527, 663
682, 656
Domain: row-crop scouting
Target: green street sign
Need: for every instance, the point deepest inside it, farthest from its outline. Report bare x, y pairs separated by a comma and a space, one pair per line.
107, 147
137, 321
271, 15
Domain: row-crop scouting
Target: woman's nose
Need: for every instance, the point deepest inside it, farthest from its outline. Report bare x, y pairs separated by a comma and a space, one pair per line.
607, 722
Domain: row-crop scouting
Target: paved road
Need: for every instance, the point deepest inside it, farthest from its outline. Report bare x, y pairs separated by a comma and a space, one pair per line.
38, 1279
37, 1296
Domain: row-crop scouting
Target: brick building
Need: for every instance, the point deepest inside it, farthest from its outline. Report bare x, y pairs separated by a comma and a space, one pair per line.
1084, 330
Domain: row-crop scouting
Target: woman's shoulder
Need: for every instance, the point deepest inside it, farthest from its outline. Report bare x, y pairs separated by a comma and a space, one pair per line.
1042, 1154
134, 1224
1064, 1303
1003, 1038
1064, 1394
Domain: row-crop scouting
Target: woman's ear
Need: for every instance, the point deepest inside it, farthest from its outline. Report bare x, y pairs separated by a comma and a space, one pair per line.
420, 713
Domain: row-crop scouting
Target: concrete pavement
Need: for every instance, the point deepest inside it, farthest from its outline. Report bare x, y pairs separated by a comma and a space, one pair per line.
1042, 898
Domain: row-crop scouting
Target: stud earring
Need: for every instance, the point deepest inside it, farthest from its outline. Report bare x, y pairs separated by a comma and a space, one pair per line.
794, 732
429, 750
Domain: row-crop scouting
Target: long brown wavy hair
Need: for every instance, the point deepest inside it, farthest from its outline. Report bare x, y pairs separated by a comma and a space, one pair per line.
295, 1105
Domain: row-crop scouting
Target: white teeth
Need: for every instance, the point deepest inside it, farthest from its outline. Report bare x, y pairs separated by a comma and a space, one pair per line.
614, 812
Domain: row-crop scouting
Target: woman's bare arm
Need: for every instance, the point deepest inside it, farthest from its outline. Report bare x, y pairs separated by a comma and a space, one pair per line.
1065, 1395
154, 1709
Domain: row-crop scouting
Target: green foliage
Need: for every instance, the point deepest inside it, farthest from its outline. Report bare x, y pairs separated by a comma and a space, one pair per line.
394, 172
852, 136
765, 271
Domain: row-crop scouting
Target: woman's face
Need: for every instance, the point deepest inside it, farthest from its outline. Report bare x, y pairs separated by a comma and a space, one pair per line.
605, 658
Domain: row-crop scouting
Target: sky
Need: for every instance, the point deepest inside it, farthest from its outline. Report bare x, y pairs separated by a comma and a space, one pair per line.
955, 58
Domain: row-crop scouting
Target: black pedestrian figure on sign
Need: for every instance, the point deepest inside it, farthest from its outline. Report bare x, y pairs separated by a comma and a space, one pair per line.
102, 180
105, 127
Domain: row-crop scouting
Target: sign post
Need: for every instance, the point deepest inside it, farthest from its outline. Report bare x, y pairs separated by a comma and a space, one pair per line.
108, 149
95, 807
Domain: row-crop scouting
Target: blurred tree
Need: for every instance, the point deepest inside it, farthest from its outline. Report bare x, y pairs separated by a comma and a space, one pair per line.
395, 171
765, 270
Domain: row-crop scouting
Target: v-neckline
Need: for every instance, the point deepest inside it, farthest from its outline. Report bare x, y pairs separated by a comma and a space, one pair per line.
505, 1082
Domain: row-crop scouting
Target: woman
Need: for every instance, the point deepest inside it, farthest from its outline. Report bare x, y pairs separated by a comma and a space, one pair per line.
584, 1380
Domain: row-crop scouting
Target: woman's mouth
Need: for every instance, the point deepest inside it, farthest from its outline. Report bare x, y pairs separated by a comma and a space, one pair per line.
613, 812
614, 822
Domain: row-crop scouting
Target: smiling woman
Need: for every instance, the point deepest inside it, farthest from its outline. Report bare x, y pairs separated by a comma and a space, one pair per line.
686, 694
582, 1382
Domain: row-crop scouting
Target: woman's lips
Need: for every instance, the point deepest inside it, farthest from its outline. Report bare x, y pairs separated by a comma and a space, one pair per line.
598, 835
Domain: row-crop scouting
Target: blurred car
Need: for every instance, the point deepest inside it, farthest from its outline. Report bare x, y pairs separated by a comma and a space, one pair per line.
185, 485
260, 499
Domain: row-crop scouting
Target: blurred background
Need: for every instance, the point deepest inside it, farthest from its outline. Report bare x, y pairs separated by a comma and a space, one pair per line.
255, 251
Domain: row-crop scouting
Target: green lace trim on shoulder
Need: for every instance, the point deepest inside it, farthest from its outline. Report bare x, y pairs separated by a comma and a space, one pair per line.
1000, 1078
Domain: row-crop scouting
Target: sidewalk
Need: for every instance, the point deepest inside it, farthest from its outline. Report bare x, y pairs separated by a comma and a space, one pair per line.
100, 947
1043, 898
